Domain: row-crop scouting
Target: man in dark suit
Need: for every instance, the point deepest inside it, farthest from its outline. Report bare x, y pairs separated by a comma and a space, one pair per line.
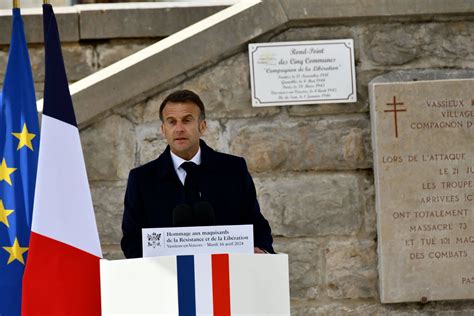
189, 172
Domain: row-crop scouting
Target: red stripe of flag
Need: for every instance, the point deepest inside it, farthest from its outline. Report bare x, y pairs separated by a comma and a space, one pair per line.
56, 273
221, 284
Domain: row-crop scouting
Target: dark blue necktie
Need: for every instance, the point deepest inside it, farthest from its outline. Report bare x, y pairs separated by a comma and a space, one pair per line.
191, 183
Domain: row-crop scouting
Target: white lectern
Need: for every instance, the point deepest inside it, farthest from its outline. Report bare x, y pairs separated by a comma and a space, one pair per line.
218, 284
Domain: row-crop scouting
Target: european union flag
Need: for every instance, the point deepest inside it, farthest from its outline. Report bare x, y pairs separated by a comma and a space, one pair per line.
19, 140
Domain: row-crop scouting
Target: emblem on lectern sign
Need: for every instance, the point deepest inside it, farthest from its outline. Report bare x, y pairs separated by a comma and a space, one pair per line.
153, 239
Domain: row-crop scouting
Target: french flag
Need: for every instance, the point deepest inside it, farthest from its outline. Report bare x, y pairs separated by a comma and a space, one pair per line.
62, 272
210, 285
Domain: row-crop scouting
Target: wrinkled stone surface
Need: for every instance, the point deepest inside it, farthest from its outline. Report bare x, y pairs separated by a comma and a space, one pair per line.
351, 269
311, 204
112, 252
367, 184
305, 265
150, 141
79, 60
109, 149
3, 62
108, 205
330, 309
324, 144
436, 43
114, 51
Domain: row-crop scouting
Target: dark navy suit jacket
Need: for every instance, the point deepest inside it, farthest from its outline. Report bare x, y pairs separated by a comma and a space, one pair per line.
154, 190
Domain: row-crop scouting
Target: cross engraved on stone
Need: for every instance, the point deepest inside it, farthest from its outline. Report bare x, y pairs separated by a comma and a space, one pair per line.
395, 110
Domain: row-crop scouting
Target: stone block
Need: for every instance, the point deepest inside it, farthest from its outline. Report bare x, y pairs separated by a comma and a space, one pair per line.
3, 62
133, 113
66, 17
305, 266
79, 61
37, 62
151, 108
108, 206
443, 44
351, 269
306, 10
311, 204
112, 252
215, 137
324, 144
98, 21
109, 149
150, 142
39, 90
330, 309
328, 108
370, 216
460, 308
113, 51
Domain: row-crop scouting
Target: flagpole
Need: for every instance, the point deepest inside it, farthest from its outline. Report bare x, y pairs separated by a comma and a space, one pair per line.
16, 4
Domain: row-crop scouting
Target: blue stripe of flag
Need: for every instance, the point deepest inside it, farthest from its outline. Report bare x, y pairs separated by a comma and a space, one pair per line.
186, 286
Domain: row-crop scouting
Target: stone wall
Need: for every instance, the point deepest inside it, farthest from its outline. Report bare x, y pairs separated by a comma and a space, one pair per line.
312, 165
80, 58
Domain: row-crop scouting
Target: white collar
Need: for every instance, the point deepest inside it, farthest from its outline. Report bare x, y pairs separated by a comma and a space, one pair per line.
178, 161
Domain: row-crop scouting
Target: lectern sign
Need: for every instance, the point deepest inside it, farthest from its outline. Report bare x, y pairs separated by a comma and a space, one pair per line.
307, 72
423, 140
197, 240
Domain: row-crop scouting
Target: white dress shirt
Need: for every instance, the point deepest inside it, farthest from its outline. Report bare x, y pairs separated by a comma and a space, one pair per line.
178, 161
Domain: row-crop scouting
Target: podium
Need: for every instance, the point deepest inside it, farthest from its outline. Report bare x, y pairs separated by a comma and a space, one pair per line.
217, 284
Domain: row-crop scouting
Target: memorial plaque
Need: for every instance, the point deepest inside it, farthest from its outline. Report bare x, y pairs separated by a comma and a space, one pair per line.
309, 72
423, 141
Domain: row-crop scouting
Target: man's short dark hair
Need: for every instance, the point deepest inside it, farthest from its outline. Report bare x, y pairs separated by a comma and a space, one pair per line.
184, 96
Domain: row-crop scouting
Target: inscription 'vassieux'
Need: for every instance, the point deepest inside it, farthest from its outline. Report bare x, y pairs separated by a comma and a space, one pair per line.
446, 103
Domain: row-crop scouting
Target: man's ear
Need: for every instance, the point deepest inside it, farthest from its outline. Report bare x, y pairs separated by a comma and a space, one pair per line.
202, 126
162, 129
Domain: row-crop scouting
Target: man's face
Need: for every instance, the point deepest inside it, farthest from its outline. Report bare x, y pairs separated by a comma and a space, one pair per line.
182, 128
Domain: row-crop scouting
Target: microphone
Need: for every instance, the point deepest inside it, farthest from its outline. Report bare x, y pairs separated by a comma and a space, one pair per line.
204, 214
182, 215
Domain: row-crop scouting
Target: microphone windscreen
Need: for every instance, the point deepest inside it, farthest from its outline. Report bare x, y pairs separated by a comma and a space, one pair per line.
204, 214
182, 216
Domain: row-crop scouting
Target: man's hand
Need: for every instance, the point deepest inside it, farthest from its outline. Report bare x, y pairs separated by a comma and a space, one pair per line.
258, 250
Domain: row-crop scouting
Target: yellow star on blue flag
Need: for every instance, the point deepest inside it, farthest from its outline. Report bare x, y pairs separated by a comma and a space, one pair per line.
25, 138
5, 172
16, 252
4, 213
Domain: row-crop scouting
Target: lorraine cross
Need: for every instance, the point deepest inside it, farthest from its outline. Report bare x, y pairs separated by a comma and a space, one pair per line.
395, 110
